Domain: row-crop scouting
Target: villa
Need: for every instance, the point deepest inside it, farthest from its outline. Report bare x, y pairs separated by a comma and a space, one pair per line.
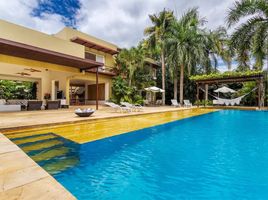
182, 129
59, 64
67, 65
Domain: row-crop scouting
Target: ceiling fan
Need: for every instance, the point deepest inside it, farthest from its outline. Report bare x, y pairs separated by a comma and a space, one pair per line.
23, 74
32, 70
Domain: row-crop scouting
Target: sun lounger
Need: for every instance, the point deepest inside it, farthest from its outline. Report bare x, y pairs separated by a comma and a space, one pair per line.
187, 103
159, 102
175, 103
136, 107
117, 107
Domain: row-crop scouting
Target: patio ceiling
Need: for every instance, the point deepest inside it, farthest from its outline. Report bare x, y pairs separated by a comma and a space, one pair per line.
17, 49
93, 45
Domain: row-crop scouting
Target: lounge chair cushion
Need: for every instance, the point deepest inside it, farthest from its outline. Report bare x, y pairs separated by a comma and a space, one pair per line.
2, 101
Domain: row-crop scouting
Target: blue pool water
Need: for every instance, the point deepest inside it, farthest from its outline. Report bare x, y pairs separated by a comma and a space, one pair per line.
221, 155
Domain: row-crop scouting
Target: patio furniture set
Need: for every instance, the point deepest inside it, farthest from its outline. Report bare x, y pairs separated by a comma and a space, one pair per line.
18, 105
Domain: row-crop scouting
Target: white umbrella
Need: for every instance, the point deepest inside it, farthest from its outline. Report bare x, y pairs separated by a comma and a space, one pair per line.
225, 90
154, 89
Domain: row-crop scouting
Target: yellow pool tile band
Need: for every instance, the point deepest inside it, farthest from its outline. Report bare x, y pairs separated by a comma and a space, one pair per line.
98, 129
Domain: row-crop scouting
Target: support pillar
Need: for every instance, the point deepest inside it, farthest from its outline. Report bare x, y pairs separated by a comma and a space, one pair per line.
53, 95
197, 94
97, 88
206, 94
260, 93
67, 91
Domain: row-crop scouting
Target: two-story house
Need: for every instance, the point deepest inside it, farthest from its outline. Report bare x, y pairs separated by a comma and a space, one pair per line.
69, 64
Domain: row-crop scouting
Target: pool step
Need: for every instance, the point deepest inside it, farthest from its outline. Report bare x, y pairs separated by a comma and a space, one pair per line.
43, 144
49, 154
17, 136
33, 139
60, 165
47, 149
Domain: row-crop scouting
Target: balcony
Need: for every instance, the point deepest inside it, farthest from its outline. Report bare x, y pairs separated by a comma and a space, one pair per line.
106, 70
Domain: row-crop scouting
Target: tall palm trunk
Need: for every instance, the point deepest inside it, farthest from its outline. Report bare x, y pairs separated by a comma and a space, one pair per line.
175, 79
163, 77
181, 84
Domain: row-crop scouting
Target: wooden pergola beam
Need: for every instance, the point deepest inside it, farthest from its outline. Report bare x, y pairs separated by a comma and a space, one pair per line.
257, 78
230, 79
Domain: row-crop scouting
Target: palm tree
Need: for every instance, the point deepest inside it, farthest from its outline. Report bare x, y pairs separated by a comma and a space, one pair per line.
130, 60
172, 62
216, 42
157, 37
186, 45
252, 35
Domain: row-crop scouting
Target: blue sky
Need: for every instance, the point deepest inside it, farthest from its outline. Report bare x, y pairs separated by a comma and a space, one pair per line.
67, 9
118, 21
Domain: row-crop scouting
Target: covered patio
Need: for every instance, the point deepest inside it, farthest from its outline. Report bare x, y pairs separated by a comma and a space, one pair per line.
61, 71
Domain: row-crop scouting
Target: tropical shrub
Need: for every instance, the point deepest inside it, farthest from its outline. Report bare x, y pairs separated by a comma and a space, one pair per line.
204, 103
122, 92
17, 89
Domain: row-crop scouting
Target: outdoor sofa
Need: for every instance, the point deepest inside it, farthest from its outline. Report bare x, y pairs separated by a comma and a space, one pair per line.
52, 105
5, 107
34, 105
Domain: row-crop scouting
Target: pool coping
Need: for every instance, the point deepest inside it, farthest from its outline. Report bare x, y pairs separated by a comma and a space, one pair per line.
23, 178
90, 120
102, 120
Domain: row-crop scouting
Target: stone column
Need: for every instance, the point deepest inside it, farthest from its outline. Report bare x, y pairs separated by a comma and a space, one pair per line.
67, 91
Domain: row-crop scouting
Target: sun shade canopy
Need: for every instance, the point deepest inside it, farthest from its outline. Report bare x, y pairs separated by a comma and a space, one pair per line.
225, 89
154, 89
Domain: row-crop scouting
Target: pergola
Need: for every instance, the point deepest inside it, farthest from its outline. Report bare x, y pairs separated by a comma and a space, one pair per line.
258, 78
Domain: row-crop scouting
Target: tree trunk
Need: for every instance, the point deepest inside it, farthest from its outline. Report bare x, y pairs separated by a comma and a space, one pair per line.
163, 77
181, 84
175, 83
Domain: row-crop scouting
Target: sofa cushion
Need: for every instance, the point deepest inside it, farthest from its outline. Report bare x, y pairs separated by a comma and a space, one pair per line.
2, 101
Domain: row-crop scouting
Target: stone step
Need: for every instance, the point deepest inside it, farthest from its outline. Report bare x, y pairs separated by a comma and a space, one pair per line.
49, 154
44, 144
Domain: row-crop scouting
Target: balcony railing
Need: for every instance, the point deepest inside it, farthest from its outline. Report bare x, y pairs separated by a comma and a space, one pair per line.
105, 70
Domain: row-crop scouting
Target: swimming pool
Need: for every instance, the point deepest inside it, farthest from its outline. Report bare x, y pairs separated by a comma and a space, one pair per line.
221, 155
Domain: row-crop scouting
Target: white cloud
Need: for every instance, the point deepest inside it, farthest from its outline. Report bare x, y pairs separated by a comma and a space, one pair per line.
119, 21
122, 22
19, 12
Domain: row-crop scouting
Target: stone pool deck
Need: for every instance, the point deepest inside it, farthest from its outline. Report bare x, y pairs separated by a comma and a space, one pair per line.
22, 179
14, 120
91, 130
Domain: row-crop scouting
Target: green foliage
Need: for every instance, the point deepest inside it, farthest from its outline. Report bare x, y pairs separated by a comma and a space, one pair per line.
184, 44
250, 37
204, 103
122, 92
129, 61
157, 33
224, 75
251, 98
17, 90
